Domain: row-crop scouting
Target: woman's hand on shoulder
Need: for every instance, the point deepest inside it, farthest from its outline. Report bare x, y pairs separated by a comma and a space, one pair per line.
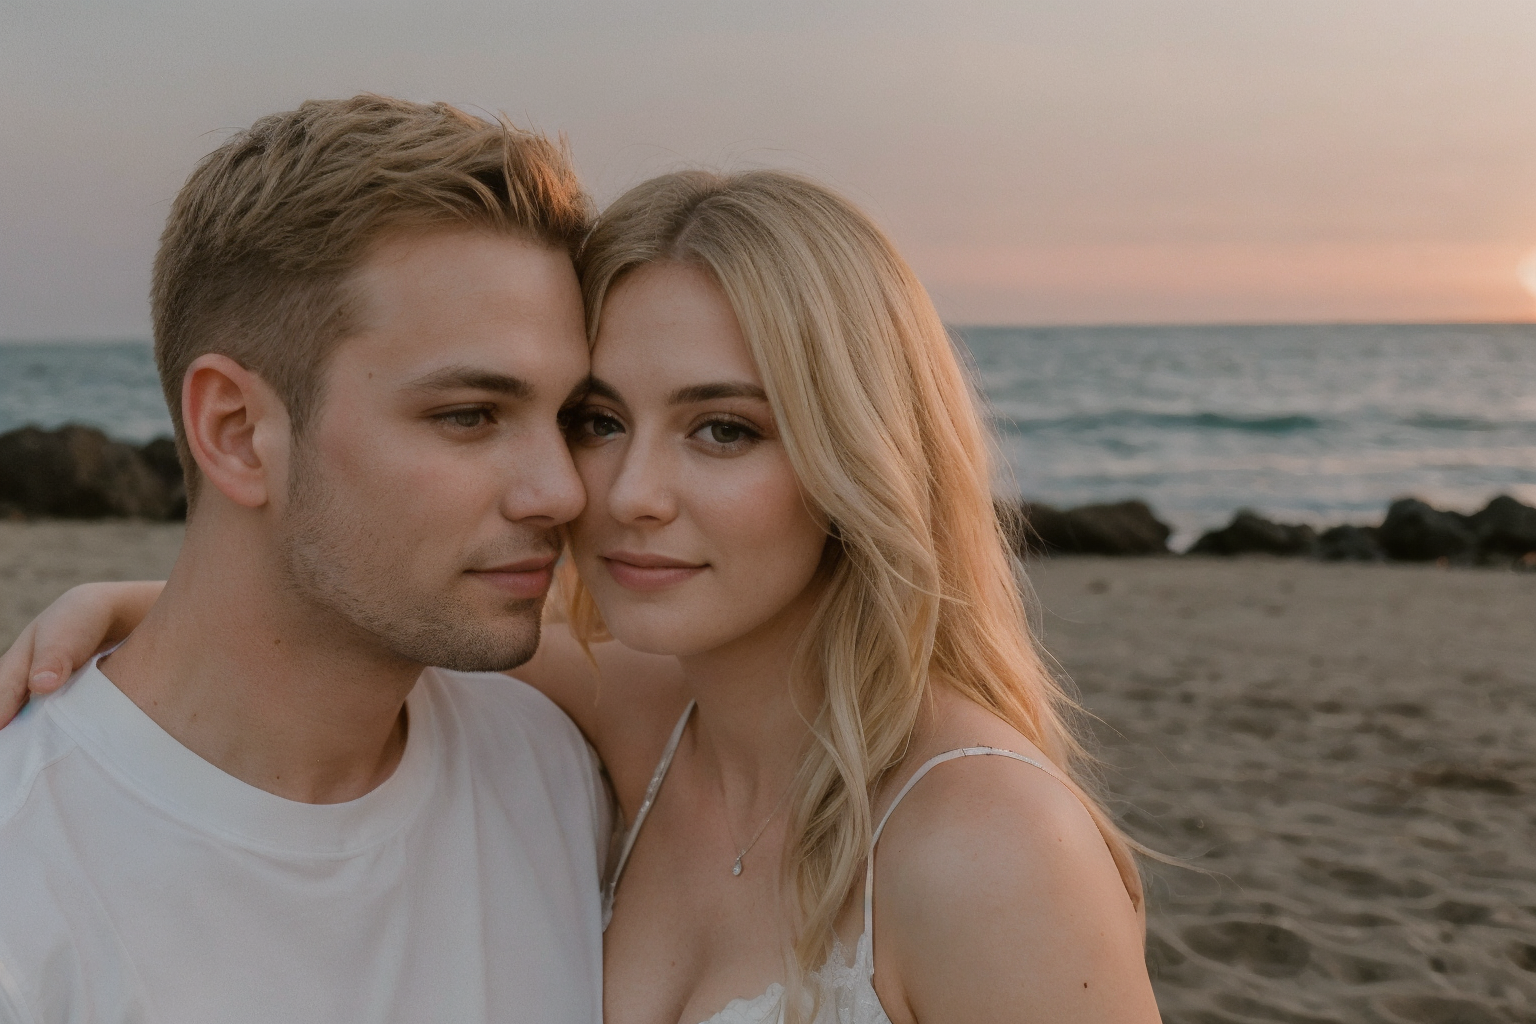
996, 899
68, 632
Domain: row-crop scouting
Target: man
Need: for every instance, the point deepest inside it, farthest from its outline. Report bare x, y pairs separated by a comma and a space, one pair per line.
261, 807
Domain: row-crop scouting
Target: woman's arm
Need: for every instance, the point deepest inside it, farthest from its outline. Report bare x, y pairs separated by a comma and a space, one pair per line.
997, 900
71, 629
624, 701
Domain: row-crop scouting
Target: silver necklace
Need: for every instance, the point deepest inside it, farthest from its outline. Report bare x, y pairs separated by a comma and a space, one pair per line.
736, 867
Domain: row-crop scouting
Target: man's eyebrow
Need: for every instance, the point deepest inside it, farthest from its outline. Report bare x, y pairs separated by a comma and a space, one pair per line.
710, 392
472, 378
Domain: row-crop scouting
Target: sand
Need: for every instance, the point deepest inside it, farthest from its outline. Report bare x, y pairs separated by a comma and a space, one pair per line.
41, 560
1346, 752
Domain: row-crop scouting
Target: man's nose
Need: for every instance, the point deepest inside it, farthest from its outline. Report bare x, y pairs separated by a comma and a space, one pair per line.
545, 489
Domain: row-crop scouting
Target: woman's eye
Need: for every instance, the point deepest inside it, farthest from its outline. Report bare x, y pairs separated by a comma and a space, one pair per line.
596, 425
726, 433
592, 426
604, 426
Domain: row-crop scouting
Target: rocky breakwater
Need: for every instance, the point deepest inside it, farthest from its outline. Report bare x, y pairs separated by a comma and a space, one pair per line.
1122, 528
79, 472
1502, 533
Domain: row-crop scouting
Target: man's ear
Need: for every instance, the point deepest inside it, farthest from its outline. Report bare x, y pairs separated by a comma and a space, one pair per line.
237, 428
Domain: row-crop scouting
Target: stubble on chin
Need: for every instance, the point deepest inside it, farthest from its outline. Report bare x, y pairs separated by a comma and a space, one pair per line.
334, 560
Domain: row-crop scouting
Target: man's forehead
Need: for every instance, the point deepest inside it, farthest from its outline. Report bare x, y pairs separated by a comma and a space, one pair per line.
427, 303
426, 272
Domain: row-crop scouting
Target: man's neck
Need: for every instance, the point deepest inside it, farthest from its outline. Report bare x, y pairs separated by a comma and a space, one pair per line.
266, 686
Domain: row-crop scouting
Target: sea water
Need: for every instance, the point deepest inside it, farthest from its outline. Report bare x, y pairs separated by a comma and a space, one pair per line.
1317, 424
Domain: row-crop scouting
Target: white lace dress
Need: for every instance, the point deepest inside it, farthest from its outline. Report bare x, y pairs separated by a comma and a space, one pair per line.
847, 989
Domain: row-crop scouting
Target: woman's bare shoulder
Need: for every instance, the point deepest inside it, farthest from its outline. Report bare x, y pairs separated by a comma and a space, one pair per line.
979, 798
999, 864
624, 702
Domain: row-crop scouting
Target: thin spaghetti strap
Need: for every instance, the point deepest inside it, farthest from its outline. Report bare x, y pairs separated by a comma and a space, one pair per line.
612, 885
928, 765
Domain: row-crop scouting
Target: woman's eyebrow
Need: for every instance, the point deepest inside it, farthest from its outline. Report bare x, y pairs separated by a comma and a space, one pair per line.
710, 392
596, 386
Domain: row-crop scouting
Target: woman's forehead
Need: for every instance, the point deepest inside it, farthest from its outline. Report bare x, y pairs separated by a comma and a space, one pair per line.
671, 320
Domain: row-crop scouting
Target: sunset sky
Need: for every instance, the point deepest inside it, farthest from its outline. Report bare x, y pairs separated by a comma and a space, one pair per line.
1071, 161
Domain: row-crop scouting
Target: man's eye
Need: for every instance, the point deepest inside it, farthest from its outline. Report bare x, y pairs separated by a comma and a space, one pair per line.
465, 419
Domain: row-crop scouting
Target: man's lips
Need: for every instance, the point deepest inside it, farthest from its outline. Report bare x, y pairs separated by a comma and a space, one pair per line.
642, 572
528, 577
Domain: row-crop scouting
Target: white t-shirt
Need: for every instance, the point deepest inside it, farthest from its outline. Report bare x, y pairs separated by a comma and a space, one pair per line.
140, 883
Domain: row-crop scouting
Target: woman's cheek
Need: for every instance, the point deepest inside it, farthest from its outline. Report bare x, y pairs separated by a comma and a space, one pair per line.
762, 518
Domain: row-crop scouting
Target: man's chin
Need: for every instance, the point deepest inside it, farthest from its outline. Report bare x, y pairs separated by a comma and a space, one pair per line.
466, 645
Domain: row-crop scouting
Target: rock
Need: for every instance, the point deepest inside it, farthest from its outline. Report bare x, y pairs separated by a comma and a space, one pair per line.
1028, 524
1416, 532
1123, 528
1251, 533
1506, 527
1350, 544
160, 456
77, 472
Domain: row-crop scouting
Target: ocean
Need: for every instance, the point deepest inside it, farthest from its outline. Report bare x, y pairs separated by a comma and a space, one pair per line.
1320, 424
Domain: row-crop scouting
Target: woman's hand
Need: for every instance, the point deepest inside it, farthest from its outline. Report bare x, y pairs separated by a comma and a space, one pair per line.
65, 636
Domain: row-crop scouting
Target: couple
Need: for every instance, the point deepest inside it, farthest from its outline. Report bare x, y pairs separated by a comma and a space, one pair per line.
405, 373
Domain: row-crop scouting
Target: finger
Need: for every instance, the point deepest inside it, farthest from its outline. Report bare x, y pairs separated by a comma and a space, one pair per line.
65, 636
15, 666
49, 671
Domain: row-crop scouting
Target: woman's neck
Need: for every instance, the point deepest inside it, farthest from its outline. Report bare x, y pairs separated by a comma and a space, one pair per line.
751, 727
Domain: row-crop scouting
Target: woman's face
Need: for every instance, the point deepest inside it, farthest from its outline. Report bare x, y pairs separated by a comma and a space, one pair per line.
696, 532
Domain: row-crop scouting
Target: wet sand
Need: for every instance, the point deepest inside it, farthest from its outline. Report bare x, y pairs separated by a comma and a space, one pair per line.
1348, 753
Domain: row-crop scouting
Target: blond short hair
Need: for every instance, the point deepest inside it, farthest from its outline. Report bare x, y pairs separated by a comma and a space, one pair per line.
261, 241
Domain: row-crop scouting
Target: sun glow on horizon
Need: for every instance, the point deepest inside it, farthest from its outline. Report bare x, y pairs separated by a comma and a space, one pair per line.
1525, 270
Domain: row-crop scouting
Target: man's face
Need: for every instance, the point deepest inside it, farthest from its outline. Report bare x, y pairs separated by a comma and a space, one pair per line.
427, 490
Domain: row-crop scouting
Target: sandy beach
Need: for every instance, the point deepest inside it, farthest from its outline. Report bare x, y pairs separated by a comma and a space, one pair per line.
1347, 751
1343, 751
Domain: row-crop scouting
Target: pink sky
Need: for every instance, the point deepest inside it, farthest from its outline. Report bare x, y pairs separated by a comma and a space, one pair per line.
1039, 162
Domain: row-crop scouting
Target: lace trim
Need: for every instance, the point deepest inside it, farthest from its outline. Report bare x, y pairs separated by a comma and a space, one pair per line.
847, 993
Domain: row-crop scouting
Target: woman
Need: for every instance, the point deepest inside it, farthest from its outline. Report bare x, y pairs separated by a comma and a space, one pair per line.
790, 533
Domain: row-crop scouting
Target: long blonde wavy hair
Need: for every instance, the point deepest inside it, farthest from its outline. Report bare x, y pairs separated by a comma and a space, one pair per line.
882, 427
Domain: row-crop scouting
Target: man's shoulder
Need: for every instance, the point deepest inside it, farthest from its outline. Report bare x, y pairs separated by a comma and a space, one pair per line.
29, 746
504, 715
44, 907
520, 744
503, 697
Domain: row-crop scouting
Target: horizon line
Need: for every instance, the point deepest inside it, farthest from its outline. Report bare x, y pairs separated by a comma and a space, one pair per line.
121, 339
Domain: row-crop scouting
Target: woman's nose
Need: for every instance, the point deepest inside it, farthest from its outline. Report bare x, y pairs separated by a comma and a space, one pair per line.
643, 488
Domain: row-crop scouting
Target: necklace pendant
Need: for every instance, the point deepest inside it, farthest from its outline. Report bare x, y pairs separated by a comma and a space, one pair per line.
736, 868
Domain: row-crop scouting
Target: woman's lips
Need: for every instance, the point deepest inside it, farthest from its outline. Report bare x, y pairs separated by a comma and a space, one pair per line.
526, 579
649, 572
